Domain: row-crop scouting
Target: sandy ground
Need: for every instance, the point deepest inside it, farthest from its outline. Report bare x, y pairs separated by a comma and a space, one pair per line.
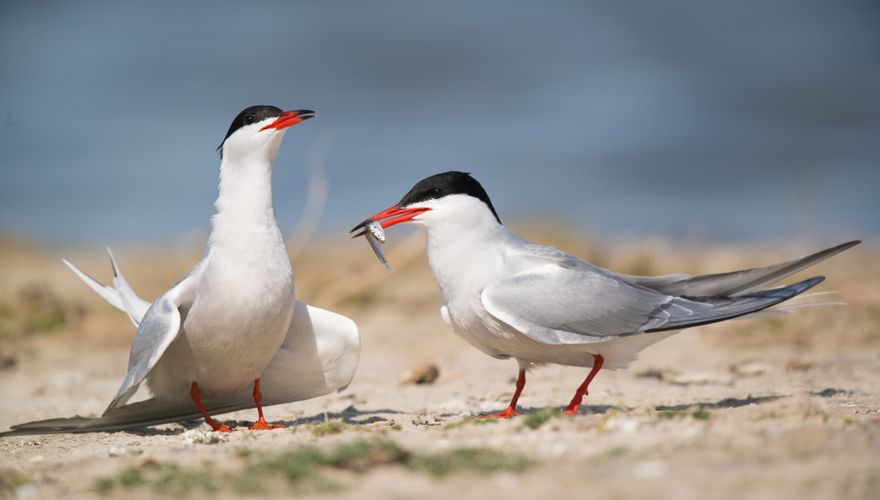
769, 408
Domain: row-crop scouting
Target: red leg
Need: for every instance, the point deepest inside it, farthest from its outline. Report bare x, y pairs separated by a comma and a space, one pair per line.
197, 398
575, 404
261, 424
511, 409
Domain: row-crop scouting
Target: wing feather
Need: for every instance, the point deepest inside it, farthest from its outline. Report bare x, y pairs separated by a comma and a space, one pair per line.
559, 305
734, 283
158, 328
560, 299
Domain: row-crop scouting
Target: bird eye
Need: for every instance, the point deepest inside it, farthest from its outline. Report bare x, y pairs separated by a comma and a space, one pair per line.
435, 192
249, 119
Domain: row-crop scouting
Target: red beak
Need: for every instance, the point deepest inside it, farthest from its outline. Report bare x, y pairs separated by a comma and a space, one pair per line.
393, 216
290, 118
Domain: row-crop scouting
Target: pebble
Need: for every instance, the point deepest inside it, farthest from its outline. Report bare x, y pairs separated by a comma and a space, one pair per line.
750, 369
121, 451
428, 420
422, 374
194, 437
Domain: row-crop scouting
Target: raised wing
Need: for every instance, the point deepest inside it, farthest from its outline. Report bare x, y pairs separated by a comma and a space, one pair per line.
158, 328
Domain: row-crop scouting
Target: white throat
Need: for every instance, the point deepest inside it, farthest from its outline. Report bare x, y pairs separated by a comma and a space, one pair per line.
465, 245
244, 204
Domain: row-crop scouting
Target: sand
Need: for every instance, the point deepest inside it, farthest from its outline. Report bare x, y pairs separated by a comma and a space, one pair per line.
769, 408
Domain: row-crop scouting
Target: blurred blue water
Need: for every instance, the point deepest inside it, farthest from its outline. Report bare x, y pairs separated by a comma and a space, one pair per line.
737, 120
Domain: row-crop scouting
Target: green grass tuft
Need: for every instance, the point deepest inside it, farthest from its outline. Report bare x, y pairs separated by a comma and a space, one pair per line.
701, 414
470, 420
329, 428
539, 418
161, 478
476, 460
10, 480
698, 414
303, 467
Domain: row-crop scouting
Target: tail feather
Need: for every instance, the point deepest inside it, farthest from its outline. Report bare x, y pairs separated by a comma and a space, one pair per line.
135, 415
106, 292
736, 283
133, 305
687, 312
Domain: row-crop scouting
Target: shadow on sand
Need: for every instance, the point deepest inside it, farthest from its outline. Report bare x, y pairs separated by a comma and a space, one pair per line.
350, 415
717, 405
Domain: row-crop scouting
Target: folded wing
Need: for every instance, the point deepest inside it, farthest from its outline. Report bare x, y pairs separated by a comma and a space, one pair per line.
566, 301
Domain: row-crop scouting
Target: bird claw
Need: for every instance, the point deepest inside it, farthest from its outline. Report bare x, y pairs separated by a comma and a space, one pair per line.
508, 413
571, 411
262, 425
218, 427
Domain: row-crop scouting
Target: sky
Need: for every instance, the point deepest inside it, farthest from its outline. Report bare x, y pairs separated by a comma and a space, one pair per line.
736, 121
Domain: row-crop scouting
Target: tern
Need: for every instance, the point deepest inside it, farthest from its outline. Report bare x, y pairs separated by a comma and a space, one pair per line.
231, 323
511, 298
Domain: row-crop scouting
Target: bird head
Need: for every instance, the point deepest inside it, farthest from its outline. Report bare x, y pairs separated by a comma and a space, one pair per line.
258, 131
450, 198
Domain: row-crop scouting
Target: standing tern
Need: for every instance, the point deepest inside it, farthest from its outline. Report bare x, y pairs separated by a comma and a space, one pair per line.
509, 297
231, 322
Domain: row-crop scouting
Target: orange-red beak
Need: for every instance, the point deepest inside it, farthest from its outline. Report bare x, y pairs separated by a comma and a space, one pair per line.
290, 118
387, 218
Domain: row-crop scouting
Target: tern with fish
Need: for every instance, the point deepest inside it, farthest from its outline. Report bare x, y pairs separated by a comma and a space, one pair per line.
512, 298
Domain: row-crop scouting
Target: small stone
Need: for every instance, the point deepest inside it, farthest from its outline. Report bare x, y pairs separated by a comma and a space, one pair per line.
194, 437
117, 451
798, 365
750, 369
7, 362
427, 420
422, 374
651, 373
697, 378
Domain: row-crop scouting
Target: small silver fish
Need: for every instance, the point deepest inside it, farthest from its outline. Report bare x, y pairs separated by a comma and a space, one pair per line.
374, 234
376, 230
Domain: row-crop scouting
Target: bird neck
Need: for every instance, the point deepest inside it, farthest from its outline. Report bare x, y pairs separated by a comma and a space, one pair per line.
244, 204
465, 254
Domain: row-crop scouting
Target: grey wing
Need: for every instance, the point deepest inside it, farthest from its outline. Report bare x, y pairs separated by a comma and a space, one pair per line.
159, 327
735, 283
158, 323
558, 305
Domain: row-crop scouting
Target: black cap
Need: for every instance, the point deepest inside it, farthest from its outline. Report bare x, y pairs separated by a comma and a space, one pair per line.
445, 184
249, 116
